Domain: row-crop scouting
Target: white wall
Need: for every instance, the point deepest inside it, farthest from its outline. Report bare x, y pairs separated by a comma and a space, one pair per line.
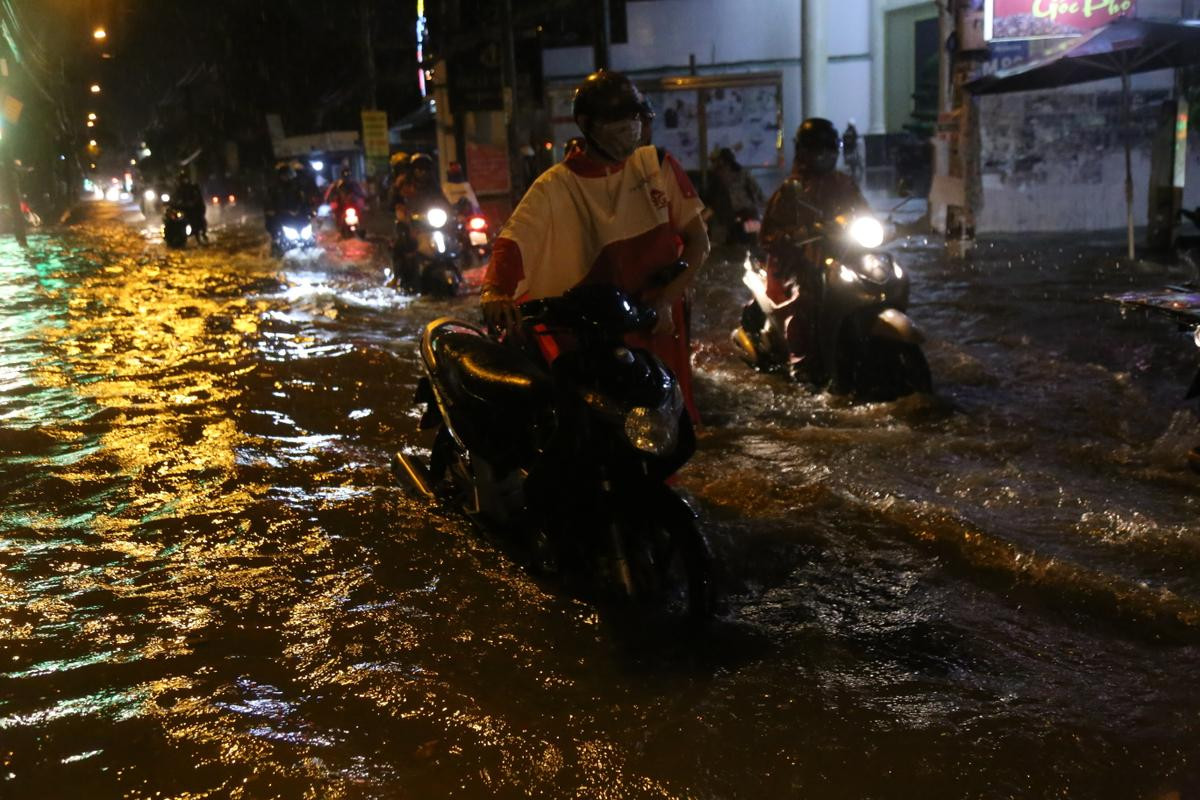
727, 36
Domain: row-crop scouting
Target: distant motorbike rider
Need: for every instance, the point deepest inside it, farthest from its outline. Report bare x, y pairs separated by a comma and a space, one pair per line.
345, 192
457, 188
400, 165
190, 199
741, 199
813, 192
609, 213
285, 197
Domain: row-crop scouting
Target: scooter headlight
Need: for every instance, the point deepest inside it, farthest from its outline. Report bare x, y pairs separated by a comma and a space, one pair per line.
306, 233
166, 198
875, 267
655, 430
436, 216
652, 430
149, 195
290, 233
867, 232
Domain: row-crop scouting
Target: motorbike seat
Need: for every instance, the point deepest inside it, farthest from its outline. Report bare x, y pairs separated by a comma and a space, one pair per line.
476, 369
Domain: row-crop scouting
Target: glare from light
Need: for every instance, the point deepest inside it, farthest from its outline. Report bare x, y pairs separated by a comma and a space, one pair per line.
477, 223
867, 231
148, 195
92, 116
95, 88
317, 165
91, 142
899, 272
99, 34
437, 217
113, 193
166, 198
439, 240
290, 233
91, 124
307, 232
848, 275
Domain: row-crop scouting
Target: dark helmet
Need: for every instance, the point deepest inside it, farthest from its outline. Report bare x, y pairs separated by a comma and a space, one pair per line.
818, 146
421, 161
817, 133
605, 95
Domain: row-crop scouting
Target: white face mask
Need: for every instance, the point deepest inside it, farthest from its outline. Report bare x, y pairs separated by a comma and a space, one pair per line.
618, 139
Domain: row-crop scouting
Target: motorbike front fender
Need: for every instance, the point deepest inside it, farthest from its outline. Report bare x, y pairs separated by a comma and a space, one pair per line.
896, 326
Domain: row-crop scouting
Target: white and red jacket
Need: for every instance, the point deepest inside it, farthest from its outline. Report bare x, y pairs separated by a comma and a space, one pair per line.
583, 221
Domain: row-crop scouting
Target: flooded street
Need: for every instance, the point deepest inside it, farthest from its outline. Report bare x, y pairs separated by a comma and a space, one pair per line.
211, 585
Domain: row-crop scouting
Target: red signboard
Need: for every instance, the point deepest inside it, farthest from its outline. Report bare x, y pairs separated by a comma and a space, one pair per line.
487, 168
1042, 19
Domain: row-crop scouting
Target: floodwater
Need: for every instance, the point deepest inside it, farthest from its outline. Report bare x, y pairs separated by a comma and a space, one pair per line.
212, 586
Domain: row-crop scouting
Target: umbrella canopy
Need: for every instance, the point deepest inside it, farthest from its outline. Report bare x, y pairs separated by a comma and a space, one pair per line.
1121, 48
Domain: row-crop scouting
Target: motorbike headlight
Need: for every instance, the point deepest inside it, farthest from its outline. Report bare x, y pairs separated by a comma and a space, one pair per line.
166, 198
875, 267
149, 195
307, 232
436, 216
188, 230
290, 233
867, 232
652, 430
847, 274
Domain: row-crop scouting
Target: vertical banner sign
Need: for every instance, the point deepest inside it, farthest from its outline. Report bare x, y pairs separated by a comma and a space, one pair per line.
1049, 19
375, 139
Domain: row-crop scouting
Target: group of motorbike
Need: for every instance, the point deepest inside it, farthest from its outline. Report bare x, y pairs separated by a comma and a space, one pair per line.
571, 463
439, 230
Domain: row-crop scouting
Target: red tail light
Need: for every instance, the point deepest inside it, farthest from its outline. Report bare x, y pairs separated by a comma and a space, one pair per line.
477, 224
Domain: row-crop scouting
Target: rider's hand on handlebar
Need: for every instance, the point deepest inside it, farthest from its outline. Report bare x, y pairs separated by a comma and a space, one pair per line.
500, 313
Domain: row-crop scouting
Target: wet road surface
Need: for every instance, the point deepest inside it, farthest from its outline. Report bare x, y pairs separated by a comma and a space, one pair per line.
211, 585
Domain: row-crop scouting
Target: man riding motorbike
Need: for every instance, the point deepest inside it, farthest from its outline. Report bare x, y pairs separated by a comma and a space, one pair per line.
345, 193
416, 195
609, 213
190, 199
287, 202
813, 192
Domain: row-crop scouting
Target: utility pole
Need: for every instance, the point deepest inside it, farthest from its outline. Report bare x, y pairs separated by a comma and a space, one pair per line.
372, 99
602, 23
815, 57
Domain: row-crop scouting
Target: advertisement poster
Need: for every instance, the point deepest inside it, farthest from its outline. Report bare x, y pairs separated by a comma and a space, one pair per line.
677, 125
1043, 19
746, 120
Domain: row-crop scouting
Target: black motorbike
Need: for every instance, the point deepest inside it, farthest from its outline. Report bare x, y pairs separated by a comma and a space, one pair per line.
293, 231
176, 227
862, 341
572, 459
427, 252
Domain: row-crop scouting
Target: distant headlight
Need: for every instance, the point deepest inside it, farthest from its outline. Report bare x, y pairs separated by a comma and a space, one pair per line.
149, 195
166, 198
306, 233
436, 216
867, 232
291, 234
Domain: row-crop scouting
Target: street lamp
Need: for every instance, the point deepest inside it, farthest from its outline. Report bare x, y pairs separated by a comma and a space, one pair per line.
99, 34
95, 88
